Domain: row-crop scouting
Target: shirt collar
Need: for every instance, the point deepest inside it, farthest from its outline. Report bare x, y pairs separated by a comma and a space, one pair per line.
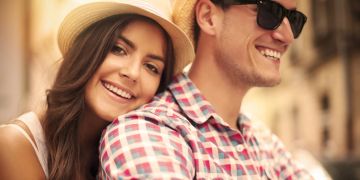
243, 123
191, 101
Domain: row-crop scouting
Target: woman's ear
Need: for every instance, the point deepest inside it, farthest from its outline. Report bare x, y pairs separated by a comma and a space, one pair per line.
207, 16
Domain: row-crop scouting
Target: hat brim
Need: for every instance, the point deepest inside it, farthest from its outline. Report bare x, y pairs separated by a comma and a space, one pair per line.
184, 17
82, 17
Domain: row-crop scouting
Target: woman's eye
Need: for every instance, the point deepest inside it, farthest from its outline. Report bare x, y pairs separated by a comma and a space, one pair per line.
118, 50
152, 68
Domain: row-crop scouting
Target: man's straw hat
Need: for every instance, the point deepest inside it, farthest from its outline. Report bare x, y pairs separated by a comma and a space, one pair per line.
159, 10
184, 16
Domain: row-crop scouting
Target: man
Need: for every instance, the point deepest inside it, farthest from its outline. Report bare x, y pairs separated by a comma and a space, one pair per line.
194, 130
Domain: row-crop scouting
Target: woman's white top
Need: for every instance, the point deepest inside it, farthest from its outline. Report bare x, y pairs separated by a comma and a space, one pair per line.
33, 123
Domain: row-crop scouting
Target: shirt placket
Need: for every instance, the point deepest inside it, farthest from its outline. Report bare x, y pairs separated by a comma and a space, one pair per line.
250, 144
257, 158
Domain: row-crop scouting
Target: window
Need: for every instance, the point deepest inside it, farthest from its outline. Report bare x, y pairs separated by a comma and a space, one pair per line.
324, 27
354, 14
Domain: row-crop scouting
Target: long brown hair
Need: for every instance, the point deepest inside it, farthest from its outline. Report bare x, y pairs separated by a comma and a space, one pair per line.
66, 100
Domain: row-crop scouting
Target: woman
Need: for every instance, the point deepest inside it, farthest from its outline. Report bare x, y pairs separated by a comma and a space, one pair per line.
116, 56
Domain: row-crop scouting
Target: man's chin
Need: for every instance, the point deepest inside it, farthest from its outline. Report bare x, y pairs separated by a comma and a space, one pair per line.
262, 82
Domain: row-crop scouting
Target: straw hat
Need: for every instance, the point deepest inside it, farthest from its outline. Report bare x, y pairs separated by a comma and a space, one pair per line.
184, 16
159, 10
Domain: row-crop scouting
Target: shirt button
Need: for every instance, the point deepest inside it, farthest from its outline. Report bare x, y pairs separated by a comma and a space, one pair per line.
240, 148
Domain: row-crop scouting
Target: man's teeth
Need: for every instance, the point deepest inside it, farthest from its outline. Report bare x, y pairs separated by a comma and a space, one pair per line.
117, 91
270, 53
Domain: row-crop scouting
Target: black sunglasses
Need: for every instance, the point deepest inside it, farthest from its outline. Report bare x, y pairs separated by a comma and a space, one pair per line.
270, 14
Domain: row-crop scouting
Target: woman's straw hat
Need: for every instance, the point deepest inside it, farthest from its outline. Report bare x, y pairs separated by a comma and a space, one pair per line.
184, 16
159, 10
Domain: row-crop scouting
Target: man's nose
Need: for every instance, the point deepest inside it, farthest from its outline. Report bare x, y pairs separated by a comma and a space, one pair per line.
284, 32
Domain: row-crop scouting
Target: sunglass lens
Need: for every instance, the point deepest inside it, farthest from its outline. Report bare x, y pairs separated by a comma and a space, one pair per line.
297, 21
270, 15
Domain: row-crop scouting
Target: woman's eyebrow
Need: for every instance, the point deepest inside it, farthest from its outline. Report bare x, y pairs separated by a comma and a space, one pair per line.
156, 57
127, 41
133, 46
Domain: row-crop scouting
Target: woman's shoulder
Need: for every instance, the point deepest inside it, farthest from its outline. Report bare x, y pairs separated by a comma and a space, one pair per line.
17, 133
17, 153
14, 136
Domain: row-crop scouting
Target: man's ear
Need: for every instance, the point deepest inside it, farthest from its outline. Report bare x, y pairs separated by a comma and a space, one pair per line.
207, 15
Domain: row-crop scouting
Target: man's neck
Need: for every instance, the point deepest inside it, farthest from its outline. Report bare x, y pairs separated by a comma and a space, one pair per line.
223, 95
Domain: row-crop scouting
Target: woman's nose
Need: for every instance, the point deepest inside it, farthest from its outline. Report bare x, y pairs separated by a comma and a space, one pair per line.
131, 71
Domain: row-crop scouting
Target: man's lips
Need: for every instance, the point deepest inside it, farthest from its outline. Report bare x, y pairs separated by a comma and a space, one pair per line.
269, 53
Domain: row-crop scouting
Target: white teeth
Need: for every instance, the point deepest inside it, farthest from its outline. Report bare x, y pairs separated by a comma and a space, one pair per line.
271, 54
117, 91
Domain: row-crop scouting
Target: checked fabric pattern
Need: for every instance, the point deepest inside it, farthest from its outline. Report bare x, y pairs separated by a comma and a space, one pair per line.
179, 136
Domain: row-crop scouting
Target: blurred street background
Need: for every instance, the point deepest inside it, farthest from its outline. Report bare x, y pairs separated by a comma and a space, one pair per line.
315, 110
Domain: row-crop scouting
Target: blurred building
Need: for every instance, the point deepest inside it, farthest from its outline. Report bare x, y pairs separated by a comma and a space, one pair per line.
12, 55
316, 107
29, 54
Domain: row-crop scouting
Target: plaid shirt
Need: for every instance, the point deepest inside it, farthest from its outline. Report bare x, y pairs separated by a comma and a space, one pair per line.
179, 136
